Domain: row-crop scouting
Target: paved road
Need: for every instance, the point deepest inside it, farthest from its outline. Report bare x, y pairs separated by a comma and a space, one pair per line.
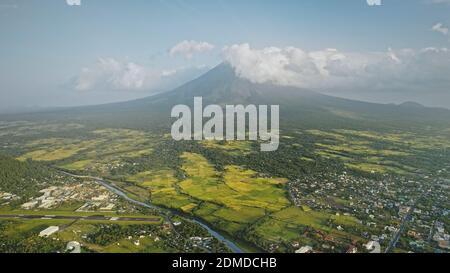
405, 220
396, 237
88, 218
231, 245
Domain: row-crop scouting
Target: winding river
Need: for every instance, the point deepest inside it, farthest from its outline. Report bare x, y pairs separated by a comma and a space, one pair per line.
231, 245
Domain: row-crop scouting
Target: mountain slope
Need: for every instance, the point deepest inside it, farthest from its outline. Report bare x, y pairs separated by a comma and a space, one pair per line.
221, 86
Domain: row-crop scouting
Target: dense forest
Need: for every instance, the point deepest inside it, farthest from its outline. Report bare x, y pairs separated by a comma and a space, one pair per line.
24, 179
27, 242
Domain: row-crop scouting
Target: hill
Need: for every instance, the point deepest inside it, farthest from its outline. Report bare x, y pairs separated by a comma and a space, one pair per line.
298, 107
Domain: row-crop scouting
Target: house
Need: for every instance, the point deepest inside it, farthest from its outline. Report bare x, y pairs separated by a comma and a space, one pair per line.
403, 210
73, 247
29, 205
444, 244
373, 247
352, 249
109, 206
49, 231
304, 249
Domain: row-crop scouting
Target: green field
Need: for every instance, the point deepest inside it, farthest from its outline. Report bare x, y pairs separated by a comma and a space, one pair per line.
229, 185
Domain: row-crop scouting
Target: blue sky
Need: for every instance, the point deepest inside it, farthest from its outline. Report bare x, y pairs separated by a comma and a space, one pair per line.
46, 44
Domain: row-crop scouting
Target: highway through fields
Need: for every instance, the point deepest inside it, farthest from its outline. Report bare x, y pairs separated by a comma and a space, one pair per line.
216, 234
87, 218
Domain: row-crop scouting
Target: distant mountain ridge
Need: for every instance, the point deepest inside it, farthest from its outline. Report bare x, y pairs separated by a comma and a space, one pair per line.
221, 86
411, 104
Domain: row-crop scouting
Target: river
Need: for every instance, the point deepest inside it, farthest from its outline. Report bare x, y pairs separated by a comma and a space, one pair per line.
231, 245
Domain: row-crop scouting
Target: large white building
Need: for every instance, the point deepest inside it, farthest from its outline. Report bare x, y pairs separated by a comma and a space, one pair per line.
49, 231
304, 249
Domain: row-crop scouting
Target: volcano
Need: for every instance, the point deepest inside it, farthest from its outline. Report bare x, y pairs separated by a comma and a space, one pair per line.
298, 107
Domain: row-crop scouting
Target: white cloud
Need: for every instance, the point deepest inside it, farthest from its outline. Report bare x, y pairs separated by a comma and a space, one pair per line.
108, 74
287, 66
189, 48
439, 27
440, 1
373, 2
112, 74
330, 69
167, 73
8, 6
73, 2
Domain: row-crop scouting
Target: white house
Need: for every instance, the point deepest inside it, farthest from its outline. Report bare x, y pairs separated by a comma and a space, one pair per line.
304, 249
49, 231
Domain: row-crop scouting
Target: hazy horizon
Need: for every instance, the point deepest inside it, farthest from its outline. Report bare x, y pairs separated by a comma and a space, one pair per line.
32, 108
63, 53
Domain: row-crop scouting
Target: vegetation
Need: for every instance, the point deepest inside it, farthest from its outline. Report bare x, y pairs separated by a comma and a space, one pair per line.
25, 179
227, 184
